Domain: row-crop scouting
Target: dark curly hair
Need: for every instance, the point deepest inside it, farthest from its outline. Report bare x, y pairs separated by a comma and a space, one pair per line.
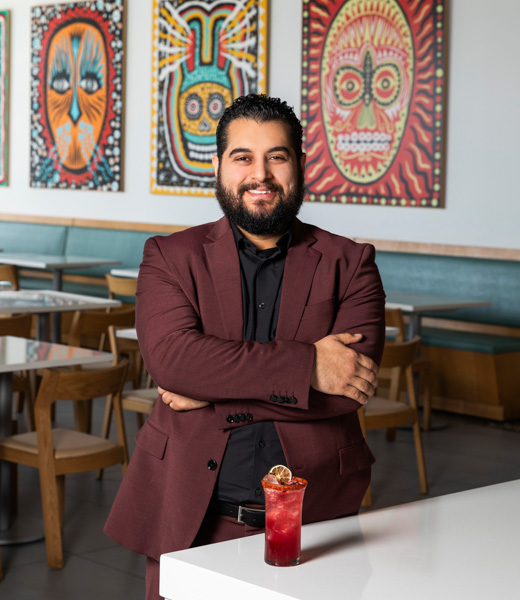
260, 108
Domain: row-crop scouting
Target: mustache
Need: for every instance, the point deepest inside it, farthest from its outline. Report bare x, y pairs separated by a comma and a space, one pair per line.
270, 187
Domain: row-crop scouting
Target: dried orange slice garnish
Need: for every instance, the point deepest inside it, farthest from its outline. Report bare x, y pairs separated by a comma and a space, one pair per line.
282, 473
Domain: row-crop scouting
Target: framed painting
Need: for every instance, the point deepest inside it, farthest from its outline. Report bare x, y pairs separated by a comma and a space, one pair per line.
373, 101
4, 93
77, 95
206, 53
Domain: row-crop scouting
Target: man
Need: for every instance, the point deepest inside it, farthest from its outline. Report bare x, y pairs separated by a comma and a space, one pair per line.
264, 335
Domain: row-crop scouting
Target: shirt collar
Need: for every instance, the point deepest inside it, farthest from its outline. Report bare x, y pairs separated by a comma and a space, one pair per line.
242, 242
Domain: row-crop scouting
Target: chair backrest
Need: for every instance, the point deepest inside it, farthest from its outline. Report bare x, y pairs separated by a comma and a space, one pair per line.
120, 286
394, 318
9, 273
66, 385
89, 328
398, 357
17, 325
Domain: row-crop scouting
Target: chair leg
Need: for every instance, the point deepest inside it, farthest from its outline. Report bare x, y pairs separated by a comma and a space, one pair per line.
420, 457
427, 405
367, 499
60, 483
105, 429
140, 420
51, 520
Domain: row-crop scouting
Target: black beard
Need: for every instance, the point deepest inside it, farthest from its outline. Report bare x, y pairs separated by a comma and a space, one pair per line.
277, 221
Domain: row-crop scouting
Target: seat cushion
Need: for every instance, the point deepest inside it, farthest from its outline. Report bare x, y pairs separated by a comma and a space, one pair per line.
67, 443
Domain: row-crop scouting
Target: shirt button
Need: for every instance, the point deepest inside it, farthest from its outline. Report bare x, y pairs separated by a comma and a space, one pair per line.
261, 306
212, 465
261, 443
258, 491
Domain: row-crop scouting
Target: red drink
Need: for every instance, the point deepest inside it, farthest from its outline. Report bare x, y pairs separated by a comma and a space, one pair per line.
283, 520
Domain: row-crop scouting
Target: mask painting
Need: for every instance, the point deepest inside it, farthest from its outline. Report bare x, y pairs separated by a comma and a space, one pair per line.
4, 92
207, 53
78, 112
372, 99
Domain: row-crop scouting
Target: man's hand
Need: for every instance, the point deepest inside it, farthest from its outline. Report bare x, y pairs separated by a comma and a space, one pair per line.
180, 403
341, 371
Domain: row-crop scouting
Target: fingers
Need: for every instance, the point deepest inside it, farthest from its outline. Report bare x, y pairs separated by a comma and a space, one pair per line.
180, 403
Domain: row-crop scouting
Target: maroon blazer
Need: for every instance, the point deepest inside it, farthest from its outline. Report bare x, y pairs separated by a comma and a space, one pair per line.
189, 323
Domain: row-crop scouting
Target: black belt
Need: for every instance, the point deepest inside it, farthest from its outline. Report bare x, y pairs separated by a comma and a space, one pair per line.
255, 517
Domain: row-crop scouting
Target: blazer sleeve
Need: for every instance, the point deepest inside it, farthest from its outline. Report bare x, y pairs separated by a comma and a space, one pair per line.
361, 310
181, 358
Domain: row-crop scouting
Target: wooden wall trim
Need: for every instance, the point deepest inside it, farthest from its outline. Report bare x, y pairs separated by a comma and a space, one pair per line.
443, 249
95, 223
382, 245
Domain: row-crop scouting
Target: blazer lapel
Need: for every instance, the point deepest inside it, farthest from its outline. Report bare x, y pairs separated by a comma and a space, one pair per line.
300, 267
224, 267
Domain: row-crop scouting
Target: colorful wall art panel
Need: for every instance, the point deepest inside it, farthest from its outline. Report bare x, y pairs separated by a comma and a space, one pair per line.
206, 53
4, 93
77, 95
373, 101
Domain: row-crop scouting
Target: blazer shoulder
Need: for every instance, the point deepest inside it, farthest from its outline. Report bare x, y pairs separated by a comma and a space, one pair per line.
331, 243
186, 240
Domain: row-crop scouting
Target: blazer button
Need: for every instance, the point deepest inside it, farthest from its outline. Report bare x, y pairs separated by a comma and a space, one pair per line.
236, 418
292, 400
242, 417
285, 399
249, 417
212, 464
274, 398
230, 419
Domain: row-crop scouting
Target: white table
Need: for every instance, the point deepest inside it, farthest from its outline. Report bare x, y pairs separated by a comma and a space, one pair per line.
17, 354
130, 273
54, 262
418, 304
463, 545
44, 302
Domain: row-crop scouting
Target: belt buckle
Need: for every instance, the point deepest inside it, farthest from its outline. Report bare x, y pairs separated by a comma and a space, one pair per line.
239, 518
242, 508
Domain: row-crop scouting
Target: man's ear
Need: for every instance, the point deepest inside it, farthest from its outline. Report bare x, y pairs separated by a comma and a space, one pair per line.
303, 158
215, 162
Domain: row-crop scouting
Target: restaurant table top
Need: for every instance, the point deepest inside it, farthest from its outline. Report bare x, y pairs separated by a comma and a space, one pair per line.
53, 261
130, 273
462, 545
46, 301
415, 302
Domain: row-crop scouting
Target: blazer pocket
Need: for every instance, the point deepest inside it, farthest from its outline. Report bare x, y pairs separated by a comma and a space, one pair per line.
355, 458
152, 440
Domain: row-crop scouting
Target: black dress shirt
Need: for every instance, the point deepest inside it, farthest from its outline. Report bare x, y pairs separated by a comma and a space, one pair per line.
253, 449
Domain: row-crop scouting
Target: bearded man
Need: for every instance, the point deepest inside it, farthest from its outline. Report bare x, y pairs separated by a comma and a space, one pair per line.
264, 335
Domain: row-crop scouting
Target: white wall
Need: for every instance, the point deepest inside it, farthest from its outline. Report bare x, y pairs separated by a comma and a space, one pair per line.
482, 190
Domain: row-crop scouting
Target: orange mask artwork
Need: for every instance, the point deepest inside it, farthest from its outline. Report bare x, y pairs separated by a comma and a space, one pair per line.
76, 93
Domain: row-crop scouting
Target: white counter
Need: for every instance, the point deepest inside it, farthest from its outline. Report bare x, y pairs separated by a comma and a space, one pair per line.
464, 545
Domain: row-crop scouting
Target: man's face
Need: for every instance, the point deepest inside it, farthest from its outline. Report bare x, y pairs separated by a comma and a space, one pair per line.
260, 183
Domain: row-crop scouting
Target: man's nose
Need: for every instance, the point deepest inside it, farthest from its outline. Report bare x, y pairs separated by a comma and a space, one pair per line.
260, 171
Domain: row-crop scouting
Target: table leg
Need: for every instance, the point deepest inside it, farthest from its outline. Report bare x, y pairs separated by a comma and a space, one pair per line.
19, 531
57, 285
42, 327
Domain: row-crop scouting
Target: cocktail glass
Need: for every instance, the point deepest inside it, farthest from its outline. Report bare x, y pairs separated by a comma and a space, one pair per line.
283, 520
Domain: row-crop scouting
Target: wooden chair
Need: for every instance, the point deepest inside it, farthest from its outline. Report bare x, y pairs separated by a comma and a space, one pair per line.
384, 413
140, 401
120, 286
20, 326
9, 273
89, 329
58, 452
422, 367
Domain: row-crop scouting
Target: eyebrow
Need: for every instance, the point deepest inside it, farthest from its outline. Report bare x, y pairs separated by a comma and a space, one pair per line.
274, 149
